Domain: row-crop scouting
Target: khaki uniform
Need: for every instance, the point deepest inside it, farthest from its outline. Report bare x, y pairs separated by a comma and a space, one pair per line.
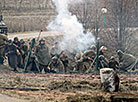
3, 39
24, 49
127, 62
65, 61
57, 66
86, 61
79, 62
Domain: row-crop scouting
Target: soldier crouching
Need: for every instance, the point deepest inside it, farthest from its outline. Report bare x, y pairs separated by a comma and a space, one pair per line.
56, 65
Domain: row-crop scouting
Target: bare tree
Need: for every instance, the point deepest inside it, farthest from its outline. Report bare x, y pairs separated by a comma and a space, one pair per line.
89, 14
121, 32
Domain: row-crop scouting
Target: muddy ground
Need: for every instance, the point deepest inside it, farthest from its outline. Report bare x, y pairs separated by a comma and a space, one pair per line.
33, 87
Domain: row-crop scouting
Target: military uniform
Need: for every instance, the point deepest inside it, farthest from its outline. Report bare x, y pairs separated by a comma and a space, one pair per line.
55, 51
16, 42
32, 64
127, 61
79, 62
113, 63
19, 52
3, 39
102, 50
65, 61
87, 58
56, 65
24, 49
43, 56
11, 51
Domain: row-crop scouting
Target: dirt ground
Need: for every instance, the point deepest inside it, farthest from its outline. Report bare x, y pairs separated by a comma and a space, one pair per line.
31, 87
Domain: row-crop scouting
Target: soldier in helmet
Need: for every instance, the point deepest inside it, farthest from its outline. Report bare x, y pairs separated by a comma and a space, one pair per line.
55, 51
24, 50
89, 54
102, 50
42, 55
79, 62
16, 41
56, 65
88, 57
65, 60
3, 40
19, 51
113, 63
127, 61
11, 52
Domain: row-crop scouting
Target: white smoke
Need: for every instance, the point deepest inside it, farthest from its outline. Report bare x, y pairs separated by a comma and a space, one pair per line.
74, 38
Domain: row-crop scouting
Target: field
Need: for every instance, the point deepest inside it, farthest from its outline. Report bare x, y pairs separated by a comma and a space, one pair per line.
31, 87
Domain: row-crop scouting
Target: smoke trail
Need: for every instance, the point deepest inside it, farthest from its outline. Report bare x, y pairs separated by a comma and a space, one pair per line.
74, 38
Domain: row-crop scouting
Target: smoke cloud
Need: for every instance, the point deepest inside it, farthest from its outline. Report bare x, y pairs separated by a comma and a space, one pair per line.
74, 39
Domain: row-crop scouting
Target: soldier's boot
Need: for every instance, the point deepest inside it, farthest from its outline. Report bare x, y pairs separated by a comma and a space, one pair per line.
1, 60
15, 70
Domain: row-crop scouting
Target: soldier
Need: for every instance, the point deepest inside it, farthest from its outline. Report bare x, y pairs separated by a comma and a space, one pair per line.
55, 51
3, 40
16, 41
56, 65
88, 57
24, 49
19, 51
32, 64
113, 63
89, 54
127, 61
103, 62
102, 50
65, 61
42, 55
11, 52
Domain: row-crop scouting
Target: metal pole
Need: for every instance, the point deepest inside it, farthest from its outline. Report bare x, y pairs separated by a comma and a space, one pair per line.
97, 60
29, 54
104, 19
120, 25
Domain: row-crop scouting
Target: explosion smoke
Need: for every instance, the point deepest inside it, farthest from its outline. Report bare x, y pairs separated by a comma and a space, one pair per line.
74, 39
